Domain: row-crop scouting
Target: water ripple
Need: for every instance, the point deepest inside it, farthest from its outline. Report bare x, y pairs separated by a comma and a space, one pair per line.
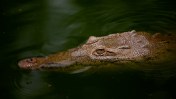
30, 85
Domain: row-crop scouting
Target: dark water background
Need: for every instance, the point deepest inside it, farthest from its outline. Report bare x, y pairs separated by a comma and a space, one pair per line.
40, 27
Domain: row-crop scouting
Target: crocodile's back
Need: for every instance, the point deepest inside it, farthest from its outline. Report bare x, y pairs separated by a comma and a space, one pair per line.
164, 47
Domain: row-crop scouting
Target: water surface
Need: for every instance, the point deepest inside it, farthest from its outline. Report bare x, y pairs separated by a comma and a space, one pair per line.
41, 27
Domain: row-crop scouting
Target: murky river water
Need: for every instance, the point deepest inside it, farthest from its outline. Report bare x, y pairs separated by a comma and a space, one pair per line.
40, 27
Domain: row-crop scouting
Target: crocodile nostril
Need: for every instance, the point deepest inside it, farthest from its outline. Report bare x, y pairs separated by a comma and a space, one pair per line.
31, 60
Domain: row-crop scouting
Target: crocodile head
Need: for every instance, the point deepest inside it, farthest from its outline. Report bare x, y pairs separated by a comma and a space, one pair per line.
119, 47
115, 47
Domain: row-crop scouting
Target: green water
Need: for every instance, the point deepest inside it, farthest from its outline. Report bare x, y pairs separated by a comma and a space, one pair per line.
40, 27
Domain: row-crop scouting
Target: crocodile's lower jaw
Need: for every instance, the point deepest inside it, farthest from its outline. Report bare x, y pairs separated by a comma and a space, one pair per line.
60, 64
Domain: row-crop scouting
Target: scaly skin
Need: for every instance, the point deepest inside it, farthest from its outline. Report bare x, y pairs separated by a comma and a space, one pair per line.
119, 48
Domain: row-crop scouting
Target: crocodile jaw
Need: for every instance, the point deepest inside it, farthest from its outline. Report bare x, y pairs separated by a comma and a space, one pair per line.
59, 60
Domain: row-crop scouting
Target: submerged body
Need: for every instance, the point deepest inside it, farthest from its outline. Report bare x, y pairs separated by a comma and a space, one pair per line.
118, 49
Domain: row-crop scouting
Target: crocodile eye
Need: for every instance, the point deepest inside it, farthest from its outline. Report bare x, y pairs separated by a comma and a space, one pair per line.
99, 52
103, 52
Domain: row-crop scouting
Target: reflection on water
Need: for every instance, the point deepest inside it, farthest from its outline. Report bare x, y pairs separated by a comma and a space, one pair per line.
37, 28
30, 85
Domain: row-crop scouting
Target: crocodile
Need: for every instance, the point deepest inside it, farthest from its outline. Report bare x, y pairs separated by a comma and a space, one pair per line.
113, 50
